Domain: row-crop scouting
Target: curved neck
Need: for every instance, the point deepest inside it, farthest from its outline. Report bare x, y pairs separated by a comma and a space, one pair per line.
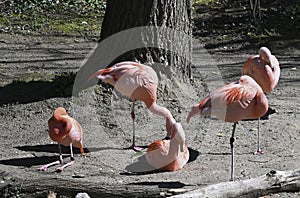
162, 111
159, 110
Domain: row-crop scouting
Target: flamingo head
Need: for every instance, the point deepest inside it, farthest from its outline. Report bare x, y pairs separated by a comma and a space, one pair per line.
266, 56
194, 111
59, 111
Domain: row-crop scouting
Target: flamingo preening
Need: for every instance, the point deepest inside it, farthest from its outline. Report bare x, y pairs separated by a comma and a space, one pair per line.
265, 70
169, 154
66, 131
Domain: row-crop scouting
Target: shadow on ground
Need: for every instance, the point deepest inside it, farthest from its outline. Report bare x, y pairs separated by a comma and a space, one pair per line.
33, 91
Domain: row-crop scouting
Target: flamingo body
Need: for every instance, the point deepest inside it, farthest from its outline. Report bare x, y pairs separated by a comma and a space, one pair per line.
169, 154
263, 68
66, 131
234, 102
134, 80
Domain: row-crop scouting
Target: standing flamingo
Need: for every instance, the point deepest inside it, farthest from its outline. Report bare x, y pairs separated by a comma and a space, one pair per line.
138, 82
169, 154
67, 131
264, 69
233, 102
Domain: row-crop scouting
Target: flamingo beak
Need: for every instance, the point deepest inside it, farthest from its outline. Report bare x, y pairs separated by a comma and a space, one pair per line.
94, 75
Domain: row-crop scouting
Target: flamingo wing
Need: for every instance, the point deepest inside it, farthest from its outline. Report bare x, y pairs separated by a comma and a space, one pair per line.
233, 93
141, 73
242, 94
160, 147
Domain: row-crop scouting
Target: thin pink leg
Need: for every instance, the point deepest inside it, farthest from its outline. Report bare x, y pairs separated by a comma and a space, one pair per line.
259, 151
133, 146
60, 161
61, 168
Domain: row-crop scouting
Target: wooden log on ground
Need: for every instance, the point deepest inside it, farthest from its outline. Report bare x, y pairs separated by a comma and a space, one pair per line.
272, 182
69, 188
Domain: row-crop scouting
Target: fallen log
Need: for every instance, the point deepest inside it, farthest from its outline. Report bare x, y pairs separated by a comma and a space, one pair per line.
272, 182
69, 188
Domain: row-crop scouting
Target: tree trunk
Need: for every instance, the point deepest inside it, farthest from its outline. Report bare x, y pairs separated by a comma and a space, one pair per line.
168, 43
155, 32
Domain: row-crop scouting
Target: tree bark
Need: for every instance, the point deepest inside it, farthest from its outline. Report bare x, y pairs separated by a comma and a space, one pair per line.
160, 44
272, 182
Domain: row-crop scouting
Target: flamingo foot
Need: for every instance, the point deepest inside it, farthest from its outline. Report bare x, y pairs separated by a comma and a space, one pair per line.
60, 169
135, 148
45, 167
259, 152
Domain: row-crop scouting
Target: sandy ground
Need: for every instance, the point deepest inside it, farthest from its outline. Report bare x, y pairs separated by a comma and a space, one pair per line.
104, 116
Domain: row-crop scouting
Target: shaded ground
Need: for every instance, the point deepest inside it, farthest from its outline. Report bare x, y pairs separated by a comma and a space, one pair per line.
34, 64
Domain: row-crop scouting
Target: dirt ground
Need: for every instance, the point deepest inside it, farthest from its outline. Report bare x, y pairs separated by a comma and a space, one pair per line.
104, 116
37, 72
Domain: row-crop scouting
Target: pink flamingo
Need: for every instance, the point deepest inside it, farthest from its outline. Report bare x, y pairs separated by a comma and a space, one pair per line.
138, 82
67, 131
233, 102
169, 154
264, 69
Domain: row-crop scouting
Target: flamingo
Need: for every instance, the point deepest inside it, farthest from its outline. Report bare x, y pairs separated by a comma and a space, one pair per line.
169, 154
264, 69
233, 102
67, 131
138, 82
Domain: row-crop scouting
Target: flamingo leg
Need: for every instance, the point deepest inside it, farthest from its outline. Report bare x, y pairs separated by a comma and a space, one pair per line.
61, 168
232, 152
259, 151
133, 146
60, 161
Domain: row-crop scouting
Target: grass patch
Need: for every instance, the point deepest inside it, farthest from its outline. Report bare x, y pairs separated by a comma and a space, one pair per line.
54, 17
204, 2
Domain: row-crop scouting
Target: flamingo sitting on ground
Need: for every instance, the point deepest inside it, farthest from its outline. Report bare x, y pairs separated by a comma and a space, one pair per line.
138, 82
264, 69
233, 102
67, 131
169, 154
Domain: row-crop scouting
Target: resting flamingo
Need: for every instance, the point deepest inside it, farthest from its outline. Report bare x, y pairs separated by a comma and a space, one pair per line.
233, 102
264, 69
67, 131
169, 154
138, 82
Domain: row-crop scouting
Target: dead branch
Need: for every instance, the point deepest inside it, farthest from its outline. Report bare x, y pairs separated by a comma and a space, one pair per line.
272, 182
